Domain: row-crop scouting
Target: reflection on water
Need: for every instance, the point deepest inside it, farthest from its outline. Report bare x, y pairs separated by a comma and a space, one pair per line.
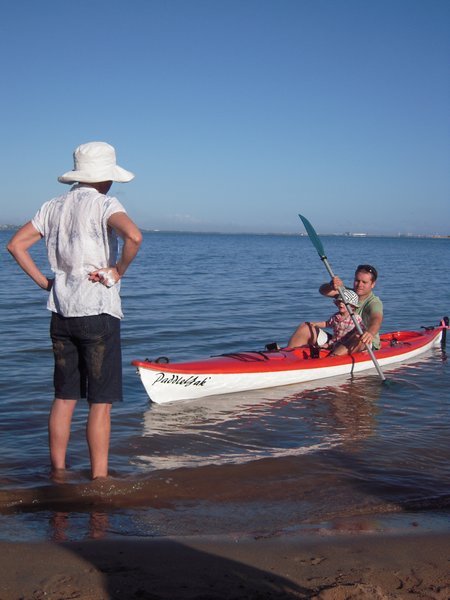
60, 526
244, 427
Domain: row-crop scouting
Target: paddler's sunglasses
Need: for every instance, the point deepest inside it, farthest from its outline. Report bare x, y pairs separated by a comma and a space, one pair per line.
368, 269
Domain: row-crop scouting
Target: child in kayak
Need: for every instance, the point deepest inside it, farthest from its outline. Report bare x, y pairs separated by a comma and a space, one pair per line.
341, 323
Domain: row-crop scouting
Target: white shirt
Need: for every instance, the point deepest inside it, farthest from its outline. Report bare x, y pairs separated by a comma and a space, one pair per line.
79, 241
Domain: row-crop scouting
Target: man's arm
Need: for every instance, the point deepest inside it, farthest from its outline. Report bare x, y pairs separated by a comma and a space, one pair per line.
131, 236
18, 247
132, 239
372, 328
331, 289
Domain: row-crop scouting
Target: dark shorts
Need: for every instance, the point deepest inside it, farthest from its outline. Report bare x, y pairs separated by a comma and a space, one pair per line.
88, 359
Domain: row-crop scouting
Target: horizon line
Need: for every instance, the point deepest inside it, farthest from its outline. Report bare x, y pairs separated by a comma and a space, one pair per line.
11, 227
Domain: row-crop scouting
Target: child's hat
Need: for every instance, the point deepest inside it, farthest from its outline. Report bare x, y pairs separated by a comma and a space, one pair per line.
350, 297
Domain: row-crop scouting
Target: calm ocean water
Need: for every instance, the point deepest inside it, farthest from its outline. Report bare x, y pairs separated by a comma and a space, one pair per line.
337, 454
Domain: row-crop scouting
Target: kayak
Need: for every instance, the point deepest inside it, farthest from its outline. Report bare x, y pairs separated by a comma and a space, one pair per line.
251, 370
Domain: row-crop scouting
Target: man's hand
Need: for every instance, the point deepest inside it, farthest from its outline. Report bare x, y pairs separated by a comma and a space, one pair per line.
108, 276
367, 338
337, 283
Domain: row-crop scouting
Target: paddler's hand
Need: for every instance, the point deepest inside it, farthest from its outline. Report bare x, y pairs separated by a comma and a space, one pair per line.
336, 283
367, 338
107, 276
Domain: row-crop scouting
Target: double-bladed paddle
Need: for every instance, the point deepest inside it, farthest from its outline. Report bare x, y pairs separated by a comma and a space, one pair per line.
321, 252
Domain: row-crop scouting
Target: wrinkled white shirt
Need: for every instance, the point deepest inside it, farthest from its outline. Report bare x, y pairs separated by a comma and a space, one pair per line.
79, 241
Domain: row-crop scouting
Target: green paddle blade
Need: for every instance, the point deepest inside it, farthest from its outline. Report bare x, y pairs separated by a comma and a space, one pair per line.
313, 236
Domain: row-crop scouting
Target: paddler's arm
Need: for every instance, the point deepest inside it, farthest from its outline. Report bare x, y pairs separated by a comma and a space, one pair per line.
372, 328
18, 247
330, 289
132, 240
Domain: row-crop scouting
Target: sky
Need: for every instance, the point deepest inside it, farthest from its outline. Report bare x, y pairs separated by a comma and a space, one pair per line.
235, 115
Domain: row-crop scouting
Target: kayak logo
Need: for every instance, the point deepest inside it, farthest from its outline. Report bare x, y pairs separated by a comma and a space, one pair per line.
180, 380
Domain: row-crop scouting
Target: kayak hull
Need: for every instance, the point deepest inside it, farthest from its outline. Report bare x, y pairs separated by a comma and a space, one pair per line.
230, 373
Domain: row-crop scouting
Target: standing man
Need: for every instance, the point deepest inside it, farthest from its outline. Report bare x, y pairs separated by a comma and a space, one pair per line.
81, 230
370, 309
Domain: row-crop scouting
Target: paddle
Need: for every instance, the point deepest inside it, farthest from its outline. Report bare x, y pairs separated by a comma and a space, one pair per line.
321, 251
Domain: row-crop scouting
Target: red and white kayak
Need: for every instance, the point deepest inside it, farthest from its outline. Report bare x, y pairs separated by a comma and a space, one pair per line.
228, 373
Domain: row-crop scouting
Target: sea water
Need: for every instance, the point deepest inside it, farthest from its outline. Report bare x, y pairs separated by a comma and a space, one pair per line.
335, 454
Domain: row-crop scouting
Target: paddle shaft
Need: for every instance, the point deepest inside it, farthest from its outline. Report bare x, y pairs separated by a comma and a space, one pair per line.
320, 249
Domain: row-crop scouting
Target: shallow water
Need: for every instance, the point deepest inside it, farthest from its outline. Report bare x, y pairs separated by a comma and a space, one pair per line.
311, 455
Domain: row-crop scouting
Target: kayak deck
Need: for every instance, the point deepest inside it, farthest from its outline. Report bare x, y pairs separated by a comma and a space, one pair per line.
392, 344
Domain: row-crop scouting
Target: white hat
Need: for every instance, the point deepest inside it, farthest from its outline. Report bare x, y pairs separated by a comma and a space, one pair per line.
94, 162
350, 297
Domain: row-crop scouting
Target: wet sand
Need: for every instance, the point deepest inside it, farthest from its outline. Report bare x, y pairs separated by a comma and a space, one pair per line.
370, 566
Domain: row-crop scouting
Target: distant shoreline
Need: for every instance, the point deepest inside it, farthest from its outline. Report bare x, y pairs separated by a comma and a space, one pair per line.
268, 233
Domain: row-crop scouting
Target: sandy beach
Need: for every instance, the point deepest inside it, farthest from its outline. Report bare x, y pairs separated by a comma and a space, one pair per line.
321, 567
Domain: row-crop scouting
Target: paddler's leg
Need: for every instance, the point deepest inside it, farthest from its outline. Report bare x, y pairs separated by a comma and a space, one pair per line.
350, 344
98, 431
59, 423
340, 350
304, 335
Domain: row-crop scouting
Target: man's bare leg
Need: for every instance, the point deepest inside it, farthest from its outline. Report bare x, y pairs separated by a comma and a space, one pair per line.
98, 432
304, 335
351, 346
59, 423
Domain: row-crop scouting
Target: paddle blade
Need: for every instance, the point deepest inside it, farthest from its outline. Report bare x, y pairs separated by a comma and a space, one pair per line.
313, 236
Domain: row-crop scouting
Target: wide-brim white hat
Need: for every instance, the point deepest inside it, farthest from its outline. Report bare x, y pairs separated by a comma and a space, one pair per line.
95, 162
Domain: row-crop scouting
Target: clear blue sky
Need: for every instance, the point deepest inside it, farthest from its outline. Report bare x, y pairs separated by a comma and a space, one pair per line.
235, 115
